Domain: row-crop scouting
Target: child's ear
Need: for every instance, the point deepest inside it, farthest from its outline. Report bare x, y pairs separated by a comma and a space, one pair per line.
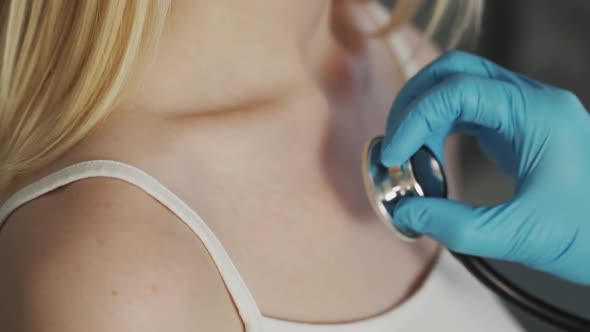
350, 25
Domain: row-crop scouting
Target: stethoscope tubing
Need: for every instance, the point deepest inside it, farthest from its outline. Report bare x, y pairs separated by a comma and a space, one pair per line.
512, 293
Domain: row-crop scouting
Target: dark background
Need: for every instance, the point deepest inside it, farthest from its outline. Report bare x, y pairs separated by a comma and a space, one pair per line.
548, 41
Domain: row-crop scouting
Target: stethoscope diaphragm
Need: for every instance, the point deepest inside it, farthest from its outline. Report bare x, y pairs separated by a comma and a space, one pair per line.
422, 175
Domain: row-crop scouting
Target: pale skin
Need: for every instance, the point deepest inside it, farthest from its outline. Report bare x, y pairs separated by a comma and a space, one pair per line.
255, 114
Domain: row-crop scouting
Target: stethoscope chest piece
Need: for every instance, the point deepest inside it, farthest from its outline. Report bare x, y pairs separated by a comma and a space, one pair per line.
422, 175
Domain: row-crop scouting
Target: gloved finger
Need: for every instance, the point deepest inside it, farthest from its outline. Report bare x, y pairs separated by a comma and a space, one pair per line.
472, 230
493, 145
451, 63
461, 98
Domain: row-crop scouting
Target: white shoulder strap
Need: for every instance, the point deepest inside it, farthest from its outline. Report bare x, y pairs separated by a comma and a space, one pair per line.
242, 297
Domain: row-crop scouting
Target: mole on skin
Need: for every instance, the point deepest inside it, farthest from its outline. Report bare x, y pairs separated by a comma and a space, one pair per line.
114, 292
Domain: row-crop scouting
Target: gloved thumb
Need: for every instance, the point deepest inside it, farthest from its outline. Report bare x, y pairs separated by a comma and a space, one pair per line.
459, 227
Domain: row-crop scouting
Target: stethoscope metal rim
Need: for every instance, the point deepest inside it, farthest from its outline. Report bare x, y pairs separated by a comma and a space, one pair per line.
376, 199
404, 172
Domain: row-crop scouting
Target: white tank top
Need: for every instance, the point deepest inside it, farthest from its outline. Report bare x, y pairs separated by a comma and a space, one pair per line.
449, 299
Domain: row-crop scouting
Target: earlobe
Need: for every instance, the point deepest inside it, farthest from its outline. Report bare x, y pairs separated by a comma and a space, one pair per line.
349, 26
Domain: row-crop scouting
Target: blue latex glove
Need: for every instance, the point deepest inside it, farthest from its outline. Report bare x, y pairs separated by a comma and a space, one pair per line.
537, 134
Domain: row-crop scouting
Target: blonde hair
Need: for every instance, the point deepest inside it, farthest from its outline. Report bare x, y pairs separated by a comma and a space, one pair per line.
64, 65
466, 17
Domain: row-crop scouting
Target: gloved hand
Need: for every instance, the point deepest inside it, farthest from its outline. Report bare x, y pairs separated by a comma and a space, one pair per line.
537, 134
